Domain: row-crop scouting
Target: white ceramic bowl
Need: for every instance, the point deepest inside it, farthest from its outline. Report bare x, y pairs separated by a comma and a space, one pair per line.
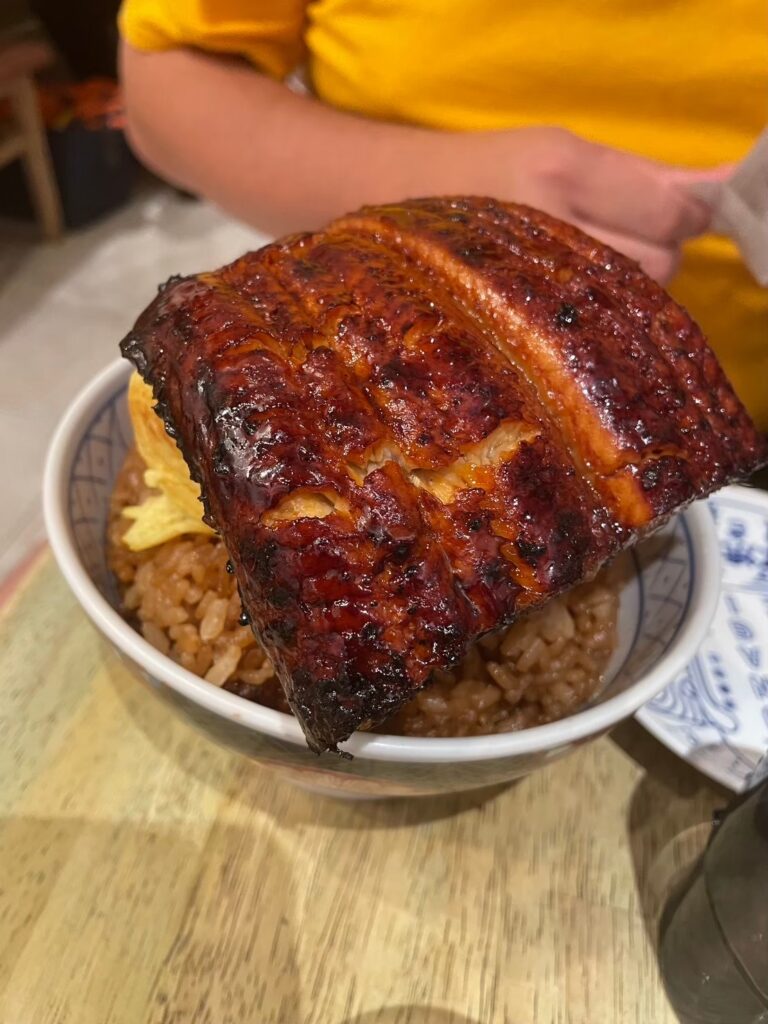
670, 591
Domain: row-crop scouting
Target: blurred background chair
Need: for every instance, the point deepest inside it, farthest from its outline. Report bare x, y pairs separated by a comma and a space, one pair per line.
22, 136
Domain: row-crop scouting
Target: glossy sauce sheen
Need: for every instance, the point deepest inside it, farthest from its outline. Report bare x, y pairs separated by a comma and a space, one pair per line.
420, 422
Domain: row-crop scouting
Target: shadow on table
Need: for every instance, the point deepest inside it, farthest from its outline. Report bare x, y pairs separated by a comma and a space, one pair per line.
169, 733
141, 922
659, 762
668, 819
244, 781
409, 1015
396, 812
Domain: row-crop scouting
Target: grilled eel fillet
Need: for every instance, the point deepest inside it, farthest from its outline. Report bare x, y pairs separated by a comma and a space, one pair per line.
422, 421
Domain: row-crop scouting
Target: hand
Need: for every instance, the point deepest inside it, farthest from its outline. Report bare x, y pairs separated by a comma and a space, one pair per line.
639, 207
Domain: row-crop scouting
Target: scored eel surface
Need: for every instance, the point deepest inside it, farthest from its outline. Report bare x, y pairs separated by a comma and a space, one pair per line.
416, 424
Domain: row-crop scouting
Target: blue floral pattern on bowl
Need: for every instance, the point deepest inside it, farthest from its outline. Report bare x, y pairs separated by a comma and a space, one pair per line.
715, 713
95, 466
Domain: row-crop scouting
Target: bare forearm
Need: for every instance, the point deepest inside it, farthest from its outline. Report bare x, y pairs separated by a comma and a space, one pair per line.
276, 159
285, 162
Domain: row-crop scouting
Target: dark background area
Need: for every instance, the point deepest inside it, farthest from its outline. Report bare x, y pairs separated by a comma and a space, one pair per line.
84, 32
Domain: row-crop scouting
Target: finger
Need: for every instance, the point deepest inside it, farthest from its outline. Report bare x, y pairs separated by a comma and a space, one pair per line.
705, 185
658, 261
693, 176
632, 196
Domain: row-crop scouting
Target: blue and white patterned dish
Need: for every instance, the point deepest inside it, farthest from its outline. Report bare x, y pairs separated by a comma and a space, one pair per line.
669, 588
715, 713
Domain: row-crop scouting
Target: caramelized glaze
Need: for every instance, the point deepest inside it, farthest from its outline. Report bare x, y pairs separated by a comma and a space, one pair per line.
422, 421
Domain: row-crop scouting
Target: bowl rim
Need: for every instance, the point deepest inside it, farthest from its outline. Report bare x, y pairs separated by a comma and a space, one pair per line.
705, 590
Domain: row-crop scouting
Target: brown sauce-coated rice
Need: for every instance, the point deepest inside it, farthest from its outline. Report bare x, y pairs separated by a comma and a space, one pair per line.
541, 668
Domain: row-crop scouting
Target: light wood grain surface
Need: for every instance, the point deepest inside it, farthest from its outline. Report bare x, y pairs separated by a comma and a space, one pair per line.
149, 876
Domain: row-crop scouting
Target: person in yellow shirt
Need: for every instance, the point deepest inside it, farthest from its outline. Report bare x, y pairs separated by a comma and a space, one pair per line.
603, 115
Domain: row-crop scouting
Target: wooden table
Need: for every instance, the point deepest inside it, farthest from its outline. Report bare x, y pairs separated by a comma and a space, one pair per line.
148, 876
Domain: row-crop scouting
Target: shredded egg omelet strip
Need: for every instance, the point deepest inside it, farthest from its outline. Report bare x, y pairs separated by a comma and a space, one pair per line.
176, 508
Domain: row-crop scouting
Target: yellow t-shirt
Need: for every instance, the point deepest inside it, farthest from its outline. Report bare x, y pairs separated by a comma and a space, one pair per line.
685, 82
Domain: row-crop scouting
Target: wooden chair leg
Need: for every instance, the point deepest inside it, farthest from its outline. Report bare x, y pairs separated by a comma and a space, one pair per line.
37, 159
